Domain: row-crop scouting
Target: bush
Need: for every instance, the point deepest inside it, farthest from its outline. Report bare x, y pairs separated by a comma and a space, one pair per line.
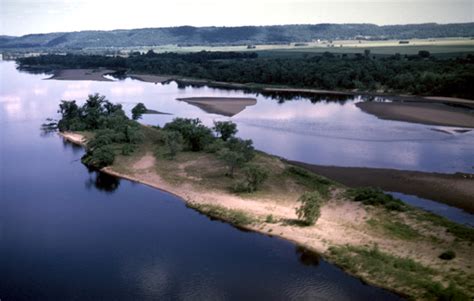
99, 157
309, 211
174, 142
376, 197
128, 149
255, 176
447, 255
215, 146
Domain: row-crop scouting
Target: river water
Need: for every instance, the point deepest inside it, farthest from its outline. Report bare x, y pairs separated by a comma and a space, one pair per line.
68, 233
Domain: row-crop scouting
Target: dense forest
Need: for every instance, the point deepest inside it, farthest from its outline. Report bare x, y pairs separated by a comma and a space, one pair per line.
188, 35
419, 74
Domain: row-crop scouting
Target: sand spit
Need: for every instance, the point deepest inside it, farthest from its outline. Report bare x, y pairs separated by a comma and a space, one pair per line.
425, 113
452, 189
226, 106
149, 78
82, 74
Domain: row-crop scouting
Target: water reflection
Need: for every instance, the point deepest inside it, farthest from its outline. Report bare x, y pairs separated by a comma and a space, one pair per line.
307, 257
102, 181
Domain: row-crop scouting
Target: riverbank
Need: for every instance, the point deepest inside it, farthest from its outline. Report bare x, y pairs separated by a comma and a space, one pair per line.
198, 178
425, 113
452, 189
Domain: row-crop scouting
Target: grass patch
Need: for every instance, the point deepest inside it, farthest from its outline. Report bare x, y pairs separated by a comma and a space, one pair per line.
394, 228
310, 180
404, 274
236, 217
461, 232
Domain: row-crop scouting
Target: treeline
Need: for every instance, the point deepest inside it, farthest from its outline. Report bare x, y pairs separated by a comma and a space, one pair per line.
418, 74
277, 34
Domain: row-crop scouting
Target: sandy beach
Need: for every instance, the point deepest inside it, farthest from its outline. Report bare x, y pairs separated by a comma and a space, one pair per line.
227, 106
150, 78
82, 74
425, 113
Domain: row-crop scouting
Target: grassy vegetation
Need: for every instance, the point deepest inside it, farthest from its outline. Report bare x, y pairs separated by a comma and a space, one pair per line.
459, 231
396, 272
395, 229
310, 180
235, 217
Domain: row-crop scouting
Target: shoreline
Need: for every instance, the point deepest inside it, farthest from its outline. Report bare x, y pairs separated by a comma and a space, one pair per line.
342, 222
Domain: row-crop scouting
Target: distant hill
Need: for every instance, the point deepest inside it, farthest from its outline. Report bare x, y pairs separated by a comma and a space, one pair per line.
188, 35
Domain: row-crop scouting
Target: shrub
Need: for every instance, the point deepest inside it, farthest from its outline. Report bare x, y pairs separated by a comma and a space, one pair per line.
447, 255
174, 142
99, 157
309, 211
255, 176
376, 197
270, 219
128, 149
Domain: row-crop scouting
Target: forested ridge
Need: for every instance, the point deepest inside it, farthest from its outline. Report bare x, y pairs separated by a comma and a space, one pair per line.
276, 34
419, 74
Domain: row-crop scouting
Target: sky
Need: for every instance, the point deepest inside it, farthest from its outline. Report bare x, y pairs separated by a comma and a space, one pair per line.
19, 17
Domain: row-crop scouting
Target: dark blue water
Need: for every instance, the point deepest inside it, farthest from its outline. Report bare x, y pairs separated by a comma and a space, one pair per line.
70, 234
452, 213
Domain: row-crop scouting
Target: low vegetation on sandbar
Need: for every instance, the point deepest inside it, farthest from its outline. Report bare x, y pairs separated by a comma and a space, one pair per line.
368, 233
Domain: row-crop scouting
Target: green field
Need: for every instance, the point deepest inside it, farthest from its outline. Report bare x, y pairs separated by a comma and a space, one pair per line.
439, 47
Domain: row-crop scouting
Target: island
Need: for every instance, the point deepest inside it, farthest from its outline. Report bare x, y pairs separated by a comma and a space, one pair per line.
366, 232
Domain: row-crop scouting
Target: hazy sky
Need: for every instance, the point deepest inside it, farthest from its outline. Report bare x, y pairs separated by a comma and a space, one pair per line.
18, 17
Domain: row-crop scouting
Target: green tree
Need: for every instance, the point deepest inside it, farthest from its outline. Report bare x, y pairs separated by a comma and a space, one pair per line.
138, 111
309, 211
255, 176
232, 159
225, 129
194, 133
174, 142
99, 157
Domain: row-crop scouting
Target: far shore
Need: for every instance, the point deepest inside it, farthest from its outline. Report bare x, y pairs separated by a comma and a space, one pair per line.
425, 113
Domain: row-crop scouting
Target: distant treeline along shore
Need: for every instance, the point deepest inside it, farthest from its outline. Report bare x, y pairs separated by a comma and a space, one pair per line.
419, 74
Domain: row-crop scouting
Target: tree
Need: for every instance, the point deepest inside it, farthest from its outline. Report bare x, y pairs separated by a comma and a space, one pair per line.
225, 129
174, 142
255, 176
194, 133
309, 211
232, 158
93, 110
99, 157
138, 111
